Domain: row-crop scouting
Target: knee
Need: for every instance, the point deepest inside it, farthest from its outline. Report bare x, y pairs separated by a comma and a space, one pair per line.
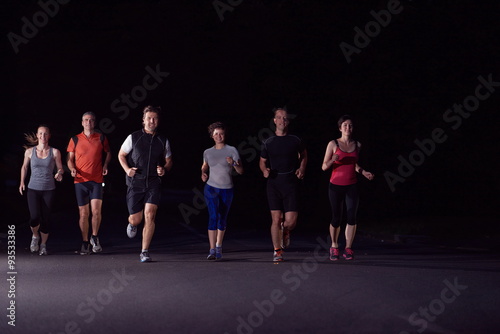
84, 213
34, 222
335, 224
149, 216
135, 219
96, 213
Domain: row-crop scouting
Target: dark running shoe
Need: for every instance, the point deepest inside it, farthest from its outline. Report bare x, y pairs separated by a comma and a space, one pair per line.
85, 250
348, 254
334, 254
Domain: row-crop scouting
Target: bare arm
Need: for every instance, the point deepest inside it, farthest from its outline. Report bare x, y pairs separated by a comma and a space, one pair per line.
122, 157
361, 171
60, 170
106, 163
204, 171
301, 172
168, 164
24, 169
71, 163
238, 167
330, 156
236, 164
165, 168
262, 165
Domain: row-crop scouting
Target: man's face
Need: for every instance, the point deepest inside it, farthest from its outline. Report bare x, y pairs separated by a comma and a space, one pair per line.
88, 122
151, 121
281, 120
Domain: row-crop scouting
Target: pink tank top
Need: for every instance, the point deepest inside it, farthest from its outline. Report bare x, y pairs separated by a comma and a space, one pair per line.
344, 169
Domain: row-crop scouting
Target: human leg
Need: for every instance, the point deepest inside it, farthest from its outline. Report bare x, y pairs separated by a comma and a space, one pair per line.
226, 198
336, 196
276, 228
96, 206
83, 222
352, 202
149, 224
135, 205
212, 201
34, 206
47, 204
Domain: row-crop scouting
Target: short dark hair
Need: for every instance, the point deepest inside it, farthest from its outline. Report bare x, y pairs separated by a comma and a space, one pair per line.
275, 110
215, 125
344, 118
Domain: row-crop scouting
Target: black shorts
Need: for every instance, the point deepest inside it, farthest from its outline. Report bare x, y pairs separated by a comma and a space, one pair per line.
283, 193
138, 197
87, 191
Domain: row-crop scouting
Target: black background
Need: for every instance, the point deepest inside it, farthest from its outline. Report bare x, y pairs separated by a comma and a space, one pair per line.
265, 54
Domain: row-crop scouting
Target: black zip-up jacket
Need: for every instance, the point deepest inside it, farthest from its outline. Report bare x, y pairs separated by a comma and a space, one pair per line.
148, 151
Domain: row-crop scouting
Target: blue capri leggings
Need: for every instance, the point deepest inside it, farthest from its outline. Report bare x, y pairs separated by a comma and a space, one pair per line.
218, 203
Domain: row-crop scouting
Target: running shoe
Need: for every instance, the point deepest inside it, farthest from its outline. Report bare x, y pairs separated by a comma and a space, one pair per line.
43, 250
85, 250
278, 255
334, 254
211, 255
348, 254
218, 253
34, 244
145, 257
285, 240
131, 230
96, 246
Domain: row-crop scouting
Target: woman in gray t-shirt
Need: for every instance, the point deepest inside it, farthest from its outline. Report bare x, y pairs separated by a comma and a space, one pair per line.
218, 164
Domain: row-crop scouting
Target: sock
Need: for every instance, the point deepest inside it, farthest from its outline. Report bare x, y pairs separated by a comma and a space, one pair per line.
144, 250
216, 245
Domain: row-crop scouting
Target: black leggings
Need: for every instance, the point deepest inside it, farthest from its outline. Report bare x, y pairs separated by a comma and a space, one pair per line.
340, 194
40, 203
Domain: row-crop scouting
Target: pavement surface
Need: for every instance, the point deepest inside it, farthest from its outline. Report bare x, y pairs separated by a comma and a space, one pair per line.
408, 286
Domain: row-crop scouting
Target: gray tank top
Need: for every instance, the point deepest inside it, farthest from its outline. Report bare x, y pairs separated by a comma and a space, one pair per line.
42, 170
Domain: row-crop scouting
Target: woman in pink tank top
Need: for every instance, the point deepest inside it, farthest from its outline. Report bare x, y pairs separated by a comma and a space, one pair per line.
342, 156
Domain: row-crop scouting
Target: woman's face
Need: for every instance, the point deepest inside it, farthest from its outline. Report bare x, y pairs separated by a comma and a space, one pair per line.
346, 127
219, 136
43, 134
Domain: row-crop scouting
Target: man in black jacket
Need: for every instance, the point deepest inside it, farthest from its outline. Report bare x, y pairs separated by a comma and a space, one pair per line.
145, 156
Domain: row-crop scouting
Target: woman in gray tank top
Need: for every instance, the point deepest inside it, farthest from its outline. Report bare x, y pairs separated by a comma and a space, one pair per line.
41, 187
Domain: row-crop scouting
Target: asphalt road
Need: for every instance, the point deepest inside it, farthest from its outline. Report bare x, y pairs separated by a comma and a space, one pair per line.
390, 287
